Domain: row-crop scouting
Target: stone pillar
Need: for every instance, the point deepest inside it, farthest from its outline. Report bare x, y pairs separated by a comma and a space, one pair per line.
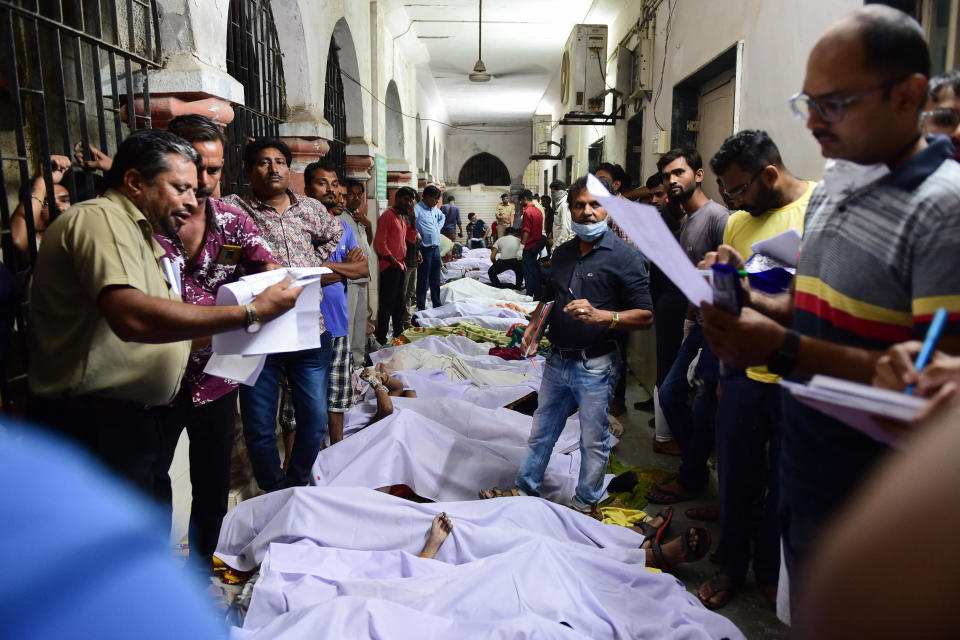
359, 166
304, 151
164, 108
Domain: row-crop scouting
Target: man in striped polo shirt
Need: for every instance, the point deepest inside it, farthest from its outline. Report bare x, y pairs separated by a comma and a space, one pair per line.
878, 255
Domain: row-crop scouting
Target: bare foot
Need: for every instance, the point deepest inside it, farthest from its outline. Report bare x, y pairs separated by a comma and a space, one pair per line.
439, 530
672, 553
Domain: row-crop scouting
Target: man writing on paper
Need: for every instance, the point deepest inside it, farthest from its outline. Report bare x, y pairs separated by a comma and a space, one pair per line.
598, 286
878, 257
109, 336
300, 233
771, 200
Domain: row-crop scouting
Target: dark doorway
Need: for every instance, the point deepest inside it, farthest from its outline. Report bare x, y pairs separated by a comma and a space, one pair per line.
484, 168
334, 111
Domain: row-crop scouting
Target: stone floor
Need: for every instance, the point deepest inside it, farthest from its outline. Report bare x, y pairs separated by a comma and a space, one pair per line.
749, 609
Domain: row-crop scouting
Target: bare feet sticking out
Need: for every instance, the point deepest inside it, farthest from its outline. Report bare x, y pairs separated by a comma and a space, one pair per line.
690, 547
439, 529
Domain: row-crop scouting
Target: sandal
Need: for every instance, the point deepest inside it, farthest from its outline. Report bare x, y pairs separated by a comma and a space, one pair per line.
487, 494
706, 514
690, 554
655, 534
718, 584
658, 495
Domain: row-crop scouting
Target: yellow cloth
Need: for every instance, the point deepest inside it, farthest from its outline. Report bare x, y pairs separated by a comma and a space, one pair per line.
744, 229
622, 517
73, 351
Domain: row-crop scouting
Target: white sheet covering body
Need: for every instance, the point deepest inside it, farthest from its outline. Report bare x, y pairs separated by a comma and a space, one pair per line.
496, 318
344, 561
439, 462
469, 290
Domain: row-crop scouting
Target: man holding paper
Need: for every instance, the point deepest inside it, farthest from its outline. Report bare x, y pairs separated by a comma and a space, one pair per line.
878, 257
770, 201
598, 286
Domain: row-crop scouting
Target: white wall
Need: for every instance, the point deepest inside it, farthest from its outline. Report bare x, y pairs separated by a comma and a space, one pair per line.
513, 149
777, 35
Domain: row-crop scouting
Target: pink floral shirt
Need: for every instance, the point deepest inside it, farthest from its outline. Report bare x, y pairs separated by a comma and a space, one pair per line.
201, 278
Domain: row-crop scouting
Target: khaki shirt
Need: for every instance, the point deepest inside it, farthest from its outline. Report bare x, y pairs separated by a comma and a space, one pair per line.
73, 351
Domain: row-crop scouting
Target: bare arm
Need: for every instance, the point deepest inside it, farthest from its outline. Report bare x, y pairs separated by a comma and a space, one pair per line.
137, 317
628, 320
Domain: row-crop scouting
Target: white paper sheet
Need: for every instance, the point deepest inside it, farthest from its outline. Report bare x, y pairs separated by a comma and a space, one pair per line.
783, 247
243, 369
649, 232
295, 330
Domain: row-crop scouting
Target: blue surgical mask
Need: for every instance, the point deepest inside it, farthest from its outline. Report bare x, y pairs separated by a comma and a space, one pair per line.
589, 232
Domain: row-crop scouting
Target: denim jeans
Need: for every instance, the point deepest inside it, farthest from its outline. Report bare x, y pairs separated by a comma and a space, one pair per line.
567, 385
428, 273
307, 372
531, 269
692, 427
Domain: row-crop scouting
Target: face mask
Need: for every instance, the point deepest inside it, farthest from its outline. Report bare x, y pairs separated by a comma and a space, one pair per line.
842, 178
589, 232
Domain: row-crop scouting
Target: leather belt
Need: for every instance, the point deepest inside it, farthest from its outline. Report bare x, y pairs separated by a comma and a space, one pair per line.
595, 351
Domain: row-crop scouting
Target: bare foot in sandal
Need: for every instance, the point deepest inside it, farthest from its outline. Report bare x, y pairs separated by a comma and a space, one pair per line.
716, 592
690, 547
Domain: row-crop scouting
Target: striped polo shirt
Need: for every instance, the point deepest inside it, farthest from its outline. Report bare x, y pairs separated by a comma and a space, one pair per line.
872, 271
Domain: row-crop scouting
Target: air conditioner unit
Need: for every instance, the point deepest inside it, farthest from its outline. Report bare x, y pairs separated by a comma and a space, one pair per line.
542, 134
583, 68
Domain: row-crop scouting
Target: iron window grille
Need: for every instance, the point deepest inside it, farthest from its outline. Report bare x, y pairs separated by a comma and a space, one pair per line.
334, 111
73, 71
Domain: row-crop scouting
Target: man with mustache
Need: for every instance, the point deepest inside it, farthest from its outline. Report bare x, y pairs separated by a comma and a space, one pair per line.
215, 244
701, 231
109, 335
879, 257
300, 233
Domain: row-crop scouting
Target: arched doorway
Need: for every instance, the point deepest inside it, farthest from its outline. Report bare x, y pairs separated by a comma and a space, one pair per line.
395, 147
484, 168
254, 59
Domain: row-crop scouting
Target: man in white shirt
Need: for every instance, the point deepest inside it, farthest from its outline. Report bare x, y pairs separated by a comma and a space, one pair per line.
505, 255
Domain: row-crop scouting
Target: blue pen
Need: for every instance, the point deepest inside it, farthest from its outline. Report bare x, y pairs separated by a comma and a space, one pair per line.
929, 342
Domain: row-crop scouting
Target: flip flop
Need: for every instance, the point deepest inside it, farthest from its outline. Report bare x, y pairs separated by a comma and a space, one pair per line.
655, 534
719, 584
706, 514
658, 495
690, 554
487, 494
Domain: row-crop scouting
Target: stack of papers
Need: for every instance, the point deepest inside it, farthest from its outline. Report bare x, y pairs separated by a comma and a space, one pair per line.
861, 406
238, 355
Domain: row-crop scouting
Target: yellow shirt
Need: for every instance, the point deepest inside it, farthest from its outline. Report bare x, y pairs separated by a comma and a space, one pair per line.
73, 351
744, 229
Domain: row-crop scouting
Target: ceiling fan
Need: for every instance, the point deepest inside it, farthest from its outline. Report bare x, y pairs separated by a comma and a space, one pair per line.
480, 70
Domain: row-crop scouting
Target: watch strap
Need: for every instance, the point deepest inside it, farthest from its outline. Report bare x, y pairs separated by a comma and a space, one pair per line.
252, 316
615, 320
784, 359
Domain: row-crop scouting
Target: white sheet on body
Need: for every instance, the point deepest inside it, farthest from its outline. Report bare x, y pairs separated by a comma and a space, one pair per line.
345, 560
496, 318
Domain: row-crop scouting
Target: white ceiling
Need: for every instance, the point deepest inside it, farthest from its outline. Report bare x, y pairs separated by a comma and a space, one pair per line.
522, 45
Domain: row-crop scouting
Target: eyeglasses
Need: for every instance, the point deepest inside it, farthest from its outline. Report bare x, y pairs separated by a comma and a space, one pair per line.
944, 119
830, 109
739, 191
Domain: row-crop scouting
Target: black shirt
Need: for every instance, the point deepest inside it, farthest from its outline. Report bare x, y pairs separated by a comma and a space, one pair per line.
612, 277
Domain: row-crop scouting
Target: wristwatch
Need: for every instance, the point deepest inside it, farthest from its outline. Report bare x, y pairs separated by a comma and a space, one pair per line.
616, 319
785, 358
252, 323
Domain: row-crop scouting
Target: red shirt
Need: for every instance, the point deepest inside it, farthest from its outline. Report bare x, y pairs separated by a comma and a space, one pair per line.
533, 225
391, 237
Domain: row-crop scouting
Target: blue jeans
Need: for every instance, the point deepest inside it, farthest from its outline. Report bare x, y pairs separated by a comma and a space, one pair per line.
307, 372
428, 272
531, 269
567, 385
692, 427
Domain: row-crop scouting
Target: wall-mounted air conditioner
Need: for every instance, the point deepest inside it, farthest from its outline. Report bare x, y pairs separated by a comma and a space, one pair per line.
583, 68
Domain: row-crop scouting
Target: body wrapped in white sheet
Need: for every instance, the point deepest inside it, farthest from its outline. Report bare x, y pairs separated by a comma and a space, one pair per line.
438, 461
484, 315
344, 561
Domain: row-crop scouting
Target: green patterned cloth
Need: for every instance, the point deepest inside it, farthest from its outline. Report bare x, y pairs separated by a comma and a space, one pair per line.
637, 498
467, 329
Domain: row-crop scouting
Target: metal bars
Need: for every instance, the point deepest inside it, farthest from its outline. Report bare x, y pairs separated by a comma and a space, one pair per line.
334, 111
254, 59
55, 90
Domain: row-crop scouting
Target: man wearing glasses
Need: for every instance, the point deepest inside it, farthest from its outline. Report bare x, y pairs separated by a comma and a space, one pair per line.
879, 256
942, 113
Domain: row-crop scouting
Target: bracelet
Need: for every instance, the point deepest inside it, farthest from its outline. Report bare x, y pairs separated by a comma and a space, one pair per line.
37, 199
616, 319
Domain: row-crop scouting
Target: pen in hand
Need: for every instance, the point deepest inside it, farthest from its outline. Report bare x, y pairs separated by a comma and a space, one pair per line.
929, 342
